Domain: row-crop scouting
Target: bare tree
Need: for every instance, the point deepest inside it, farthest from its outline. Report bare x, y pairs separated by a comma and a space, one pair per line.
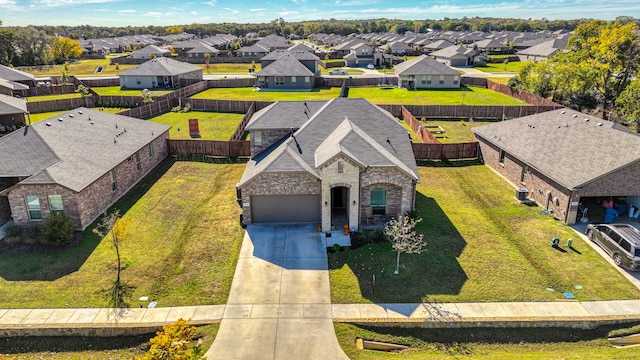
111, 224
404, 238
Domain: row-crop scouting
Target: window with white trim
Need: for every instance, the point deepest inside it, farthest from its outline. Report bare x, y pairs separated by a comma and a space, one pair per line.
33, 207
138, 165
441, 79
112, 177
55, 205
378, 201
428, 79
455, 79
279, 80
257, 137
150, 150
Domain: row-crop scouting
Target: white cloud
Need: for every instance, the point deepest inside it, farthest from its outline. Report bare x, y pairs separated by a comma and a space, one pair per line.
127, 11
58, 3
158, 14
232, 11
211, 2
257, 10
194, 13
10, 5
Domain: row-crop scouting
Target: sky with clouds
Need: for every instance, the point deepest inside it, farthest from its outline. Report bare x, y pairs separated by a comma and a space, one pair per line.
172, 12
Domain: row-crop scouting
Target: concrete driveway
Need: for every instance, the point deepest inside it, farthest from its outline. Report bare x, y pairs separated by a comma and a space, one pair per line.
279, 306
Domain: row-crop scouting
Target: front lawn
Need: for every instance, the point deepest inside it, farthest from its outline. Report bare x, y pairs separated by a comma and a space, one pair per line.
117, 91
248, 94
482, 246
484, 343
213, 126
181, 247
465, 95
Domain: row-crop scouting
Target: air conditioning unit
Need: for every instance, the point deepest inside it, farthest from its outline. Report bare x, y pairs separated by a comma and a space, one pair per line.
522, 194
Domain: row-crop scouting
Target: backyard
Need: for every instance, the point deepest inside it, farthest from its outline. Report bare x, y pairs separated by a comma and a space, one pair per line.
78, 68
249, 94
181, 247
213, 126
482, 246
455, 131
117, 91
510, 67
466, 95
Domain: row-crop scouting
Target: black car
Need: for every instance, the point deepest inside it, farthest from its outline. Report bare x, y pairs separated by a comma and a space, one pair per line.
620, 241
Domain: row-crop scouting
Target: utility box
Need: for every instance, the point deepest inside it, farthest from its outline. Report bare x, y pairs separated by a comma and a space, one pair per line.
522, 194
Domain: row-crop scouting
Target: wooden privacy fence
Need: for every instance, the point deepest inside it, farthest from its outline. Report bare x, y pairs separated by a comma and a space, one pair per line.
234, 106
237, 134
209, 148
231, 83
102, 82
473, 111
151, 109
445, 151
414, 124
60, 104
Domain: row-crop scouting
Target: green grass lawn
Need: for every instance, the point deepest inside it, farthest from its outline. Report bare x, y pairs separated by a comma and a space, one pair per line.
475, 343
511, 67
482, 246
117, 91
79, 68
465, 95
500, 80
53, 97
456, 131
213, 126
181, 247
414, 137
248, 94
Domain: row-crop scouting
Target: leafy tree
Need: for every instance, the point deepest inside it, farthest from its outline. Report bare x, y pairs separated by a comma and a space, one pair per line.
113, 225
84, 92
57, 231
628, 103
33, 45
404, 238
64, 73
63, 48
147, 96
7, 37
175, 29
174, 342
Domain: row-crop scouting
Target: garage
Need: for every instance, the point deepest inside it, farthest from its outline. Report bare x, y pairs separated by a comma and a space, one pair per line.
285, 208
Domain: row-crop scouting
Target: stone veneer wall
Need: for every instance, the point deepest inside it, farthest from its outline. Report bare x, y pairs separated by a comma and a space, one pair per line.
349, 178
277, 184
84, 207
269, 137
399, 186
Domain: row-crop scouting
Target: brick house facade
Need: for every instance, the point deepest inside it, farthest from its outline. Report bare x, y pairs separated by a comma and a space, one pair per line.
91, 198
333, 156
596, 159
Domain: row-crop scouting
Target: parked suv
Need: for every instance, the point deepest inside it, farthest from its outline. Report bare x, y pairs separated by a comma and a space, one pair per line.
620, 241
338, 72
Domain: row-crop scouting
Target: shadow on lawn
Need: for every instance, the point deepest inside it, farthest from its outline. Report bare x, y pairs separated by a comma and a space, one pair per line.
435, 271
54, 264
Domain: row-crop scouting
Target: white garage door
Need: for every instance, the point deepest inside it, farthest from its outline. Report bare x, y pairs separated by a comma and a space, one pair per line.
285, 208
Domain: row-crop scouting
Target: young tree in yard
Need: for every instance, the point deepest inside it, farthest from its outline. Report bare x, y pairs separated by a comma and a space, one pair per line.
147, 96
64, 74
84, 92
404, 238
112, 225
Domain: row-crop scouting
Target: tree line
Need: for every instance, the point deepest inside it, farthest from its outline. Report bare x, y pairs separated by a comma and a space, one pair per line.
598, 71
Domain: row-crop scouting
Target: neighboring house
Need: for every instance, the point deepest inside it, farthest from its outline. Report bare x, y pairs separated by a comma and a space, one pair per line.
159, 72
301, 47
283, 69
252, 51
10, 88
335, 163
563, 158
12, 75
149, 52
12, 113
274, 42
201, 50
346, 47
492, 46
398, 48
424, 72
542, 51
455, 55
77, 164
437, 45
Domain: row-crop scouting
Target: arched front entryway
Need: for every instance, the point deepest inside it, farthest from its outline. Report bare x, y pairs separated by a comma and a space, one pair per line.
339, 207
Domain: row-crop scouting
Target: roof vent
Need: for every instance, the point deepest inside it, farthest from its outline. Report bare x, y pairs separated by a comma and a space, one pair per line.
60, 119
80, 112
599, 124
586, 120
562, 112
575, 115
70, 115
48, 123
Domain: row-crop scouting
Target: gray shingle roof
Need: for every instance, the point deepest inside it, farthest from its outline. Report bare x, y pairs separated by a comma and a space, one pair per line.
298, 54
201, 48
423, 65
151, 49
8, 73
565, 147
161, 67
370, 136
76, 151
10, 105
287, 65
453, 51
546, 48
284, 115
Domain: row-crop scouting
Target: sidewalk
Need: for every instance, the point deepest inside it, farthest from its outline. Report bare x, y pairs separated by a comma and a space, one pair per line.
587, 314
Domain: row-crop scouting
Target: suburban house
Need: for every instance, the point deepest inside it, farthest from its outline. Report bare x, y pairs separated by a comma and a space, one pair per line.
201, 50
542, 51
254, 50
16, 76
455, 55
492, 46
77, 164
424, 72
282, 69
398, 48
346, 47
149, 52
436, 45
12, 113
160, 72
564, 160
274, 42
362, 54
335, 163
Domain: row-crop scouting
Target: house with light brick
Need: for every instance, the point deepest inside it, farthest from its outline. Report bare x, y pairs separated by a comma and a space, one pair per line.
333, 163
78, 164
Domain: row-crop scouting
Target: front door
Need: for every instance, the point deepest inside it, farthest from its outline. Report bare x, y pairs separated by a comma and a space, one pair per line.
339, 208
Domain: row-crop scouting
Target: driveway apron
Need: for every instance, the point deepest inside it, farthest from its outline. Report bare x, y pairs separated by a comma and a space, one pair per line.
279, 306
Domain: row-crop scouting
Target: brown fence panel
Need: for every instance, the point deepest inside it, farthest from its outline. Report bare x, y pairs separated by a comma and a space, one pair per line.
445, 151
35, 107
101, 82
203, 148
376, 81
231, 83
151, 109
473, 81
237, 134
414, 124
